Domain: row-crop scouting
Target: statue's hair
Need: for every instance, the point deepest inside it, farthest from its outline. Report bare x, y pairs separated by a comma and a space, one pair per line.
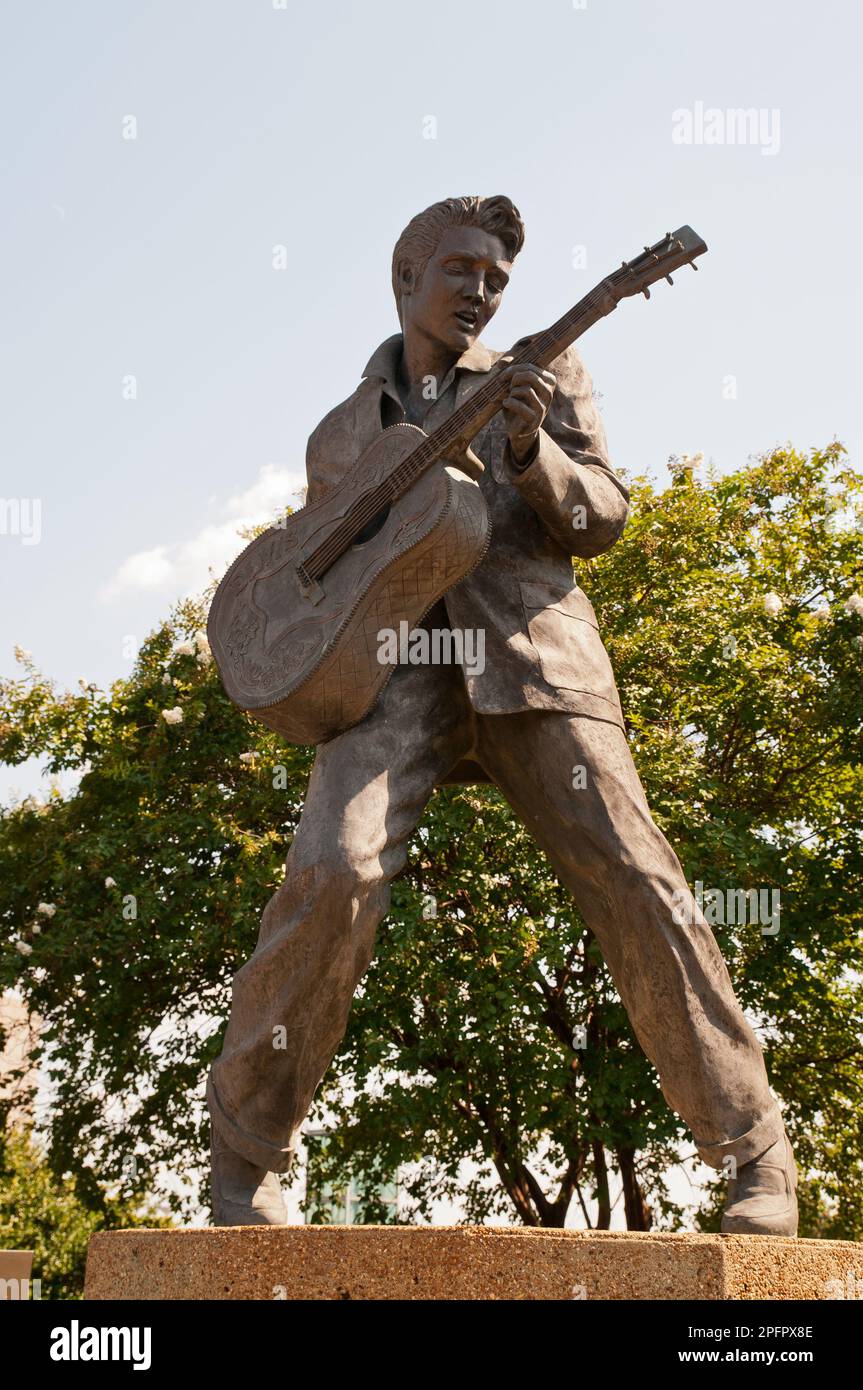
421, 236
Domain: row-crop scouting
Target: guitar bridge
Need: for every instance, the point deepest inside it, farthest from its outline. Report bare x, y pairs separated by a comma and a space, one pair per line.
309, 588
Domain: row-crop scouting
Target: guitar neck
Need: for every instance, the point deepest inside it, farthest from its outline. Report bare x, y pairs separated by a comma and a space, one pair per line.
466, 422
656, 262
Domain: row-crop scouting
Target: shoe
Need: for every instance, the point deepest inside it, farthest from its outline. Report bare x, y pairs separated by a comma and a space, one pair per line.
242, 1193
762, 1199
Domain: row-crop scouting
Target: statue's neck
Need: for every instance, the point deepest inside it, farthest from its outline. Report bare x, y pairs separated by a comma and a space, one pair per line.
422, 357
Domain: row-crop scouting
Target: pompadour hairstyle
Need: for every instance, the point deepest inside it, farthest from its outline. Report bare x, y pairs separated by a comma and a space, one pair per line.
420, 238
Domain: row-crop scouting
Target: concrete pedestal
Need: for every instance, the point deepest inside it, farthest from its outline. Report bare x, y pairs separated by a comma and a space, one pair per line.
463, 1262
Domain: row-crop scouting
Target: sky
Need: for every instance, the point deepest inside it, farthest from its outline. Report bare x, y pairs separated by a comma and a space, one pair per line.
201, 199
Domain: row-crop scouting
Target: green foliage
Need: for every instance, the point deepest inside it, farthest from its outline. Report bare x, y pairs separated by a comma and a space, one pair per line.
157, 868
464, 1042
43, 1212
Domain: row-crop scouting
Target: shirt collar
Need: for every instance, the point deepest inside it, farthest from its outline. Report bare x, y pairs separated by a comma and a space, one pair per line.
384, 363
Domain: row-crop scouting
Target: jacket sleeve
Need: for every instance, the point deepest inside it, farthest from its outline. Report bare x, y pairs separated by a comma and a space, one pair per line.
332, 447
322, 471
568, 479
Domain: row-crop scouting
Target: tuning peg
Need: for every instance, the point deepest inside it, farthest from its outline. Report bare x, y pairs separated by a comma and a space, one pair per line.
646, 292
692, 263
669, 279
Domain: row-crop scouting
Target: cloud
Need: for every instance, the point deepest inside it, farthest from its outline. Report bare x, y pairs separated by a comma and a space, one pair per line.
183, 568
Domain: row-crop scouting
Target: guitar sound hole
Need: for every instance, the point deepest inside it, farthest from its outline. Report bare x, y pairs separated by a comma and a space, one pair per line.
372, 528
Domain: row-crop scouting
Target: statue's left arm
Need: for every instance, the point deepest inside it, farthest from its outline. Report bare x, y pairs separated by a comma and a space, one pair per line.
567, 477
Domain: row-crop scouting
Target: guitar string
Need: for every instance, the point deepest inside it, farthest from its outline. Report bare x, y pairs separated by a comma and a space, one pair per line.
434, 445
432, 448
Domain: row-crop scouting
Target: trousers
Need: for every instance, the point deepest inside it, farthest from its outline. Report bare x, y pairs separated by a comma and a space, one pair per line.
366, 794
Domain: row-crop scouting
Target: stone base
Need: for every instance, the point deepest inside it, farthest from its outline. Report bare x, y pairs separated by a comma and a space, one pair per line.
462, 1262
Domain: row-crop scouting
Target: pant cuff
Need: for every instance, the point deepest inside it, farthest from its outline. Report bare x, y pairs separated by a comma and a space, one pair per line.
746, 1146
258, 1151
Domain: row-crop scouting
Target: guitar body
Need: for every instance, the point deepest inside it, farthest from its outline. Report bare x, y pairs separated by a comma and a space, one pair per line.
306, 663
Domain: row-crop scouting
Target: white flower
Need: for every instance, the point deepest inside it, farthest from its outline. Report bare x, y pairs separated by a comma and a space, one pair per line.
36, 928
854, 604
22, 655
692, 460
184, 648
822, 612
167, 679
24, 947
247, 757
110, 883
202, 642
772, 604
173, 716
841, 519
858, 640
47, 909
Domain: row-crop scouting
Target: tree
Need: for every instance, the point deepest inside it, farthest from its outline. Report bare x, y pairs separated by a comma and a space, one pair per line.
43, 1212
487, 1028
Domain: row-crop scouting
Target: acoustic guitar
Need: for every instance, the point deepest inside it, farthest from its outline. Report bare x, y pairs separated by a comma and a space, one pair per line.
294, 625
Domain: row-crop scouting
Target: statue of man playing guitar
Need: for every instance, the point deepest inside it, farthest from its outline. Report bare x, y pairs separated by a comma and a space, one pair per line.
544, 703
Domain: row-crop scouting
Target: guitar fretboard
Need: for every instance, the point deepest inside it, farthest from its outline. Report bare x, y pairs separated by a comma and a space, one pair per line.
468, 419
633, 277
464, 423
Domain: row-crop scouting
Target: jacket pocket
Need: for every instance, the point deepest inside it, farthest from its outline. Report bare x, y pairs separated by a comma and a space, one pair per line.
565, 635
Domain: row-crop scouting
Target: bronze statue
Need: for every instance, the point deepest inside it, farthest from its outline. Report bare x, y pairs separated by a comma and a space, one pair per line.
544, 703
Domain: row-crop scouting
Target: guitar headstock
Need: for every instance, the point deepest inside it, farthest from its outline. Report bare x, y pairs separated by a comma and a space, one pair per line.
657, 262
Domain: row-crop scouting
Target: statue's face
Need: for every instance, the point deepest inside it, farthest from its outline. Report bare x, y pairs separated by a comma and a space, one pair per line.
460, 290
